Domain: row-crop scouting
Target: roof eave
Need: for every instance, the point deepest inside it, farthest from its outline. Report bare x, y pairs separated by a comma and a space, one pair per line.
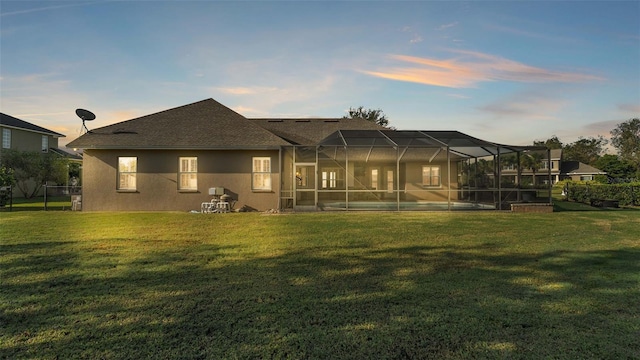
51, 133
252, 147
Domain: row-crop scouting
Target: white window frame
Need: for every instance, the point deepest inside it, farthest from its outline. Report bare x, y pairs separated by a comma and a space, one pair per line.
545, 165
188, 173
127, 173
261, 173
329, 178
6, 138
45, 143
428, 178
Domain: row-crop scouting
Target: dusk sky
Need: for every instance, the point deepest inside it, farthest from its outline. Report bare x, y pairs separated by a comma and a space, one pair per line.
504, 71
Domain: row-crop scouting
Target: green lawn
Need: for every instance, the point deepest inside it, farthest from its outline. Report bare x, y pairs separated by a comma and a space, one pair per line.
54, 203
440, 285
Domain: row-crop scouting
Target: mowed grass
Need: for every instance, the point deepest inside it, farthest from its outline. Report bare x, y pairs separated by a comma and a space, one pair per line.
324, 286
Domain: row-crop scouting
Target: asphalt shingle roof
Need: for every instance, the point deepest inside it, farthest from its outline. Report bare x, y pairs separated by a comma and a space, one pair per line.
312, 131
10, 121
206, 124
578, 168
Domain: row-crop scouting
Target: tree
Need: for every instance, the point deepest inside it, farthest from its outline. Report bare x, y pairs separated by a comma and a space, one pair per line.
376, 116
31, 169
6, 180
615, 167
532, 161
551, 143
585, 150
626, 139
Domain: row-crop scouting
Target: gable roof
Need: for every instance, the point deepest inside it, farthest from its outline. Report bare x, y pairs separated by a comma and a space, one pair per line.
205, 124
312, 131
578, 168
13, 122
556, 154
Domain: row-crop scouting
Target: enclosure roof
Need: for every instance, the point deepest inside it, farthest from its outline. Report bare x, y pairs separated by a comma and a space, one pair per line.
310, 131
457, 142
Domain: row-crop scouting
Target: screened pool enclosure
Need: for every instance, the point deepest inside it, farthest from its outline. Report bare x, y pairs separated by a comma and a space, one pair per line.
409, 170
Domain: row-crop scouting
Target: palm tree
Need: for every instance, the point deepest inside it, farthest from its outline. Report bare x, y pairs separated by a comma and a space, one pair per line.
532, 161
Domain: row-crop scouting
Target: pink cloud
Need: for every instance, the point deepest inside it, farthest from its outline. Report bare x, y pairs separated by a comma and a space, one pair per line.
632, 108
532, 105
469, 68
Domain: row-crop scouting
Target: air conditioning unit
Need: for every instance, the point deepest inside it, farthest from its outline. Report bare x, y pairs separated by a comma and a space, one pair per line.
216, 191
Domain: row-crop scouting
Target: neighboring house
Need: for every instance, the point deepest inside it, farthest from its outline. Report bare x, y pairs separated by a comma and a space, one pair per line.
559, 170
578, 171
170, 160
24, 136
21, 135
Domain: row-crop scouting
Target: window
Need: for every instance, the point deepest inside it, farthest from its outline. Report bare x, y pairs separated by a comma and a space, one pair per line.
374, 179
6, 138
329, 178
261, 175
188, 173
430, 175
127, 169
45, 143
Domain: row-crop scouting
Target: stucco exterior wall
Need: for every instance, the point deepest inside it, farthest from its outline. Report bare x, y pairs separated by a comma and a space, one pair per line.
24, 140
157, 180
415, 191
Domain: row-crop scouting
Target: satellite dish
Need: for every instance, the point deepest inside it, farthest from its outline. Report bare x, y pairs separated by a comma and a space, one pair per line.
85, 115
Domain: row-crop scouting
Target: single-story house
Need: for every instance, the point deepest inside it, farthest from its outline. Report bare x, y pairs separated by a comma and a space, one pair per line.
169, 161
577, 171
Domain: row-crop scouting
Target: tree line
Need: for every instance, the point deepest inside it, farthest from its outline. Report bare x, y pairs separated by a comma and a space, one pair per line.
625, 138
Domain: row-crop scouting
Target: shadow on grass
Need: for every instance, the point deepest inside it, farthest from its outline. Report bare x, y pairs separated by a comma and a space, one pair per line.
349, 302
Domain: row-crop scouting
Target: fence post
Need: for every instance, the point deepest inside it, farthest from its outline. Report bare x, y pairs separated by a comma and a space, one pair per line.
45, 196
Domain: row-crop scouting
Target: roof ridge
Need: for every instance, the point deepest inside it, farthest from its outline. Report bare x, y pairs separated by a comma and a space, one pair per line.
164, 111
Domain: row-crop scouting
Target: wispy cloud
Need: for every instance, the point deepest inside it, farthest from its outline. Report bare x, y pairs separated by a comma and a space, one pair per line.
469, 68
246, 90
447, 26
528, 105
459, 96
631, 108
46, 8
415, 37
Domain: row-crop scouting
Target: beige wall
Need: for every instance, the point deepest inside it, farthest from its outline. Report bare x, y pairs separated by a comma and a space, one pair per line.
23, 140
157, 180
414, 191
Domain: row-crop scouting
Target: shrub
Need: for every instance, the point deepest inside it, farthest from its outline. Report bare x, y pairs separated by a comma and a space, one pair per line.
625, 194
